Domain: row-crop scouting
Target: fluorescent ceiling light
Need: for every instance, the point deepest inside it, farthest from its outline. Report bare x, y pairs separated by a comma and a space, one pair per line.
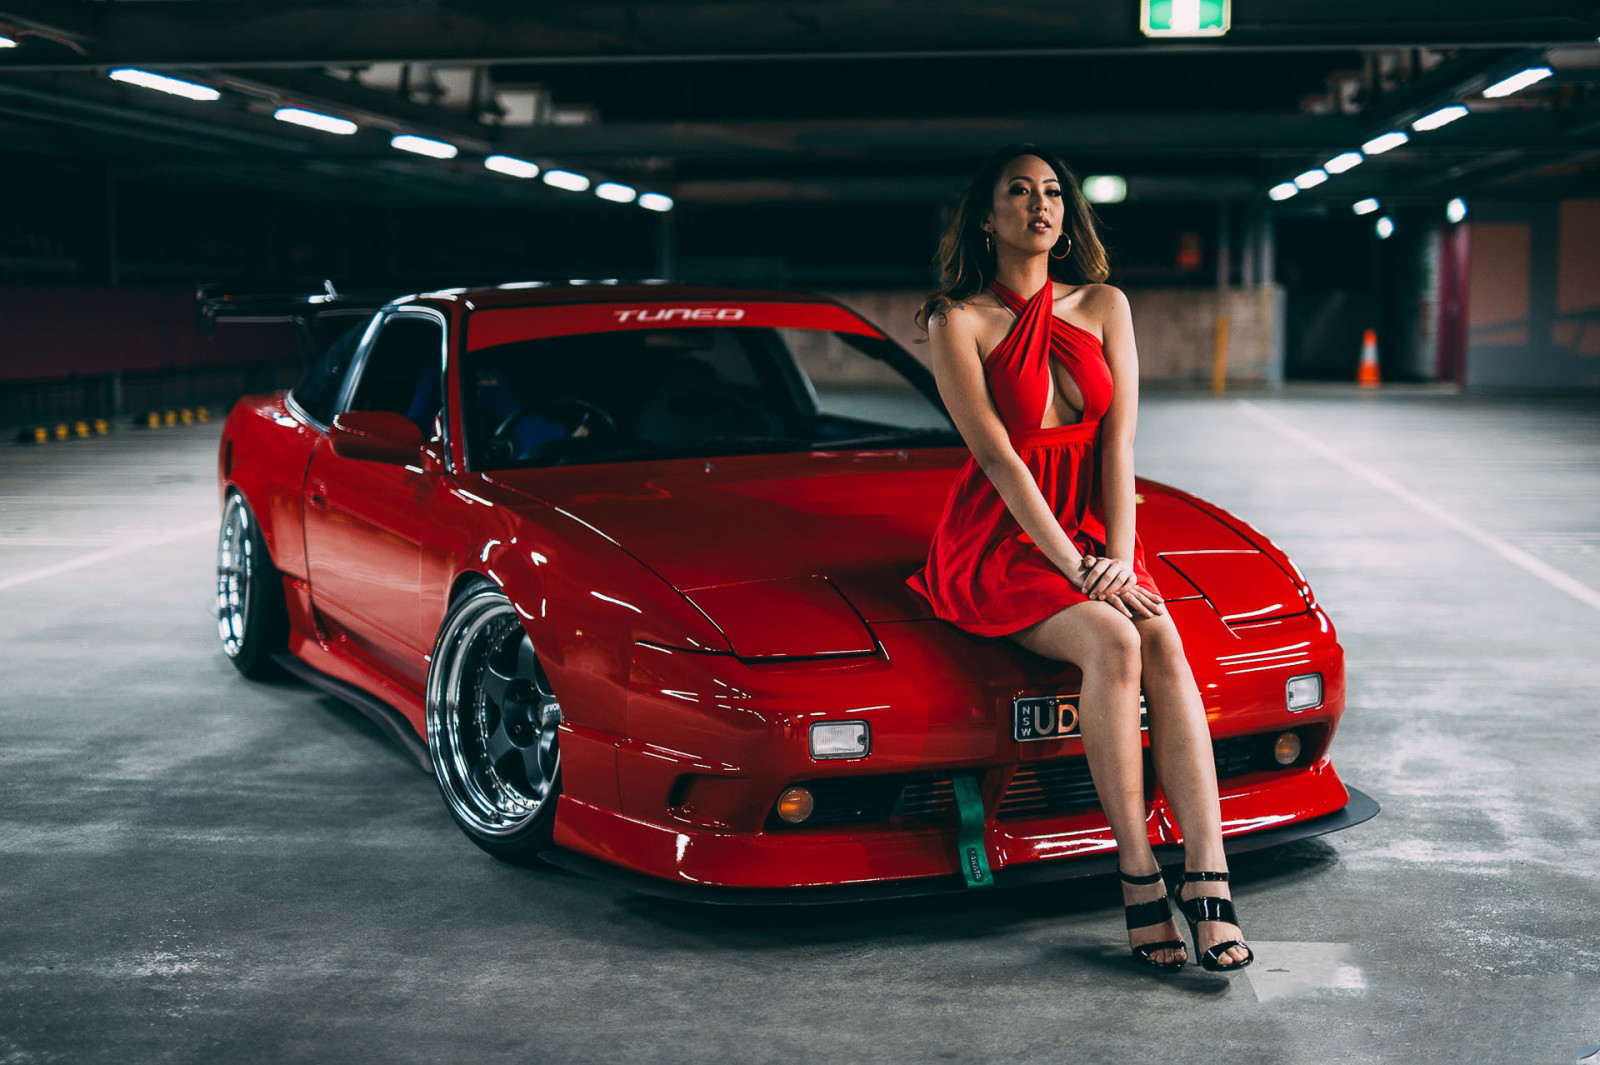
1456, 209
1366, 206
1344, 161
1283, 191
1311, 179
610, 190
423, 146
1105, 188
654, 201
1380, 144
1385, 227
313, 120
1517, 82
1442, 117
512, 166
146, 80
566, 179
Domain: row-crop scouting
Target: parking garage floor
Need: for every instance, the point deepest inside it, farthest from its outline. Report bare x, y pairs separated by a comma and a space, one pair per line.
196, 868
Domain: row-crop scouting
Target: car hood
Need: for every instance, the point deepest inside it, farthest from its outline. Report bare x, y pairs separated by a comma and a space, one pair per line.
862, 520
859, 520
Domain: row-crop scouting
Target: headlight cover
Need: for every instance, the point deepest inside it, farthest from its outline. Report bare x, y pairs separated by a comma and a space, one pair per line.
840, 739
1303, 692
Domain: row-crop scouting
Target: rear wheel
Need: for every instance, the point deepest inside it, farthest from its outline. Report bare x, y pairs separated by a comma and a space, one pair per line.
251, 617
493, 727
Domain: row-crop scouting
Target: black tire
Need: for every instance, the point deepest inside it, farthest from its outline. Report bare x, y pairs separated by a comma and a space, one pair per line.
493, 727
252, 620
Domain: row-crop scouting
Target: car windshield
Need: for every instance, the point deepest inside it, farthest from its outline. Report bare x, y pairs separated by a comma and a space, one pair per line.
681, 392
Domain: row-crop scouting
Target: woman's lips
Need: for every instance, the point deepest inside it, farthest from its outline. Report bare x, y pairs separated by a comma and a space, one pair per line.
1040, 227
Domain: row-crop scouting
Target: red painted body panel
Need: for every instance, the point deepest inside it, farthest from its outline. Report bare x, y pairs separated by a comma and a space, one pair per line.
766, 619
671, 602
268, 447
1242, 585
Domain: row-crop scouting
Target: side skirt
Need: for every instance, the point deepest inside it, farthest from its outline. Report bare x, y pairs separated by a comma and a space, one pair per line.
391, 721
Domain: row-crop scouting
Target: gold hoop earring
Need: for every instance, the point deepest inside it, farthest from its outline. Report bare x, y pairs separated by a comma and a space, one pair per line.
1064, 254
988, 242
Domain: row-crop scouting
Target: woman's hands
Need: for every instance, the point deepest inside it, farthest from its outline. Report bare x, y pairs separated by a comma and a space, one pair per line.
1111, 580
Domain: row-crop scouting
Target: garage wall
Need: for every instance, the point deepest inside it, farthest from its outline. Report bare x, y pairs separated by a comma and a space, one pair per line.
1175, 328
1533, 316
53, 333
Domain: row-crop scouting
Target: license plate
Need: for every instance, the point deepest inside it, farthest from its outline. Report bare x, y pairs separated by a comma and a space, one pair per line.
1052, 717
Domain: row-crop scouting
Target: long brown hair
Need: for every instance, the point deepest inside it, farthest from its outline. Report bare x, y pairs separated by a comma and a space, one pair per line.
966, 267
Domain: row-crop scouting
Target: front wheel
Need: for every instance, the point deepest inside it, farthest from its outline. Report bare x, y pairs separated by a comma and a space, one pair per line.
493, 725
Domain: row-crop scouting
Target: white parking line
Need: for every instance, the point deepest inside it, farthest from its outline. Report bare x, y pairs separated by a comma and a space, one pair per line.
95, 557
1549, 574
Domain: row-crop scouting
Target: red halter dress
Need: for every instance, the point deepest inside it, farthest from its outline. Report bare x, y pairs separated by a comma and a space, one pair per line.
984, 574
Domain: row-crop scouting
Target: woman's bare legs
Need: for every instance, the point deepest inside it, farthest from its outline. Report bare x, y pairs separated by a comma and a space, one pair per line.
1104, 645
1180, 744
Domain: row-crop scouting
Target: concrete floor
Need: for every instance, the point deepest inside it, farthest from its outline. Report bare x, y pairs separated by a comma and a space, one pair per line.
194, 868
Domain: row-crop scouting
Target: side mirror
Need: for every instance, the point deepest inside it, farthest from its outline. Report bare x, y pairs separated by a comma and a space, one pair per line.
376, 436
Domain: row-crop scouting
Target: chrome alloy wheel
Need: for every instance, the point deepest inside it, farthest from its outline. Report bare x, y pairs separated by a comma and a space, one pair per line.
492, 718
235, 566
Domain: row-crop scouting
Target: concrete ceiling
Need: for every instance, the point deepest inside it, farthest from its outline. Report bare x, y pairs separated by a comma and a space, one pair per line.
820, 101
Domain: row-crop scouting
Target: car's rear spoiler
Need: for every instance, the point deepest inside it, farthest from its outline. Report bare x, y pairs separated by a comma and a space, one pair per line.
302, 310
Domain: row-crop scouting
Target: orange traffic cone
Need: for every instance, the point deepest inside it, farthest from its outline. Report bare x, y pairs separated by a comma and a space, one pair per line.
1367, 372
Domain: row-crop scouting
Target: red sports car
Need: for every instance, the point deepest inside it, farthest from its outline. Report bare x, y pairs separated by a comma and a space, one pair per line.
624, 567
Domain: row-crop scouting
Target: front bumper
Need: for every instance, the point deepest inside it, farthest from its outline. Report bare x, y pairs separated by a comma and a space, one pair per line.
1360, 808
689, 806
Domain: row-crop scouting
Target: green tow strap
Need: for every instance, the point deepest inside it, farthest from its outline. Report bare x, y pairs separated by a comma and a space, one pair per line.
974, 857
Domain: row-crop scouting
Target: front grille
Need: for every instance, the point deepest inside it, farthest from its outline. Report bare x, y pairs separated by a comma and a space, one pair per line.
925, 796
1037, 789
1064, 786
1049, 787
1238, 755
843, 800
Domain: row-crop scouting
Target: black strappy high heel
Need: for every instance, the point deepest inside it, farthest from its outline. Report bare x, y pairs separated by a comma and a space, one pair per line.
1210, 908
1144, 914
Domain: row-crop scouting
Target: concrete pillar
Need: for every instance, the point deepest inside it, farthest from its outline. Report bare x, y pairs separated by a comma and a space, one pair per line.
1267, 252
1224, 246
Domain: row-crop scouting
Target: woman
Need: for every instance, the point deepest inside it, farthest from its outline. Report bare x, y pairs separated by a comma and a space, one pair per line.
1037, 539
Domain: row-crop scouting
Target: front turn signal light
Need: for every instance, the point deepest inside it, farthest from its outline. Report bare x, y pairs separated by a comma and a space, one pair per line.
1287, 749
796, 804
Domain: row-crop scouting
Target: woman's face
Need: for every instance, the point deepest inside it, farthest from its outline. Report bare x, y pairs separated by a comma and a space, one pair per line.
1027, 210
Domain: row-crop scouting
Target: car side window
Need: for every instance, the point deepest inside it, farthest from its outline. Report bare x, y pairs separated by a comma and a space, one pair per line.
403, 372
318, 390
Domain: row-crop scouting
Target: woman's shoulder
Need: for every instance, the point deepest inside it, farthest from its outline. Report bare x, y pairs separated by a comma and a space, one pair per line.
965, 317
1094, 293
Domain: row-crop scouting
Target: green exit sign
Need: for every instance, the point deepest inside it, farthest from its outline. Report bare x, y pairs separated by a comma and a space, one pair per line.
1184, 18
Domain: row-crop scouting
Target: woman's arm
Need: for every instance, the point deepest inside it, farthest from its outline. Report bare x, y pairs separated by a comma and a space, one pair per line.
958, 369
1116, 426
1112, 577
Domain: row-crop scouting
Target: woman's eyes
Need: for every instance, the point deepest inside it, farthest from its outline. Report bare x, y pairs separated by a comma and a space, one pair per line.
1022, 190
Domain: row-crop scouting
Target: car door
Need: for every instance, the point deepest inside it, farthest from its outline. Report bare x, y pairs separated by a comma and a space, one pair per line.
365, 521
